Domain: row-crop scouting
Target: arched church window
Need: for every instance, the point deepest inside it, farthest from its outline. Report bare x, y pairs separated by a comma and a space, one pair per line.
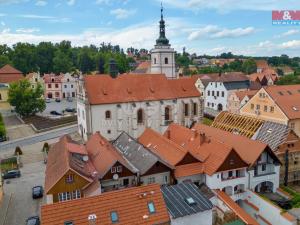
166, 60
140, 116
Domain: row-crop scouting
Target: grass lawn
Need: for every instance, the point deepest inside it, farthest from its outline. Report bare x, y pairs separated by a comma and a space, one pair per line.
8, 164
295, 194
207, 121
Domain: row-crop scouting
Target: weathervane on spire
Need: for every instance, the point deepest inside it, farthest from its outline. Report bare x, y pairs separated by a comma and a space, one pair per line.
162, 40
161, 10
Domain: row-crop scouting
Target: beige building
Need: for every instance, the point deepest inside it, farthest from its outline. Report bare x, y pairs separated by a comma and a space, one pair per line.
279, 104
34, 79
238, 99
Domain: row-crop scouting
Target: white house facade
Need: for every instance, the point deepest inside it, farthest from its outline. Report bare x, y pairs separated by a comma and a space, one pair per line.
68, 86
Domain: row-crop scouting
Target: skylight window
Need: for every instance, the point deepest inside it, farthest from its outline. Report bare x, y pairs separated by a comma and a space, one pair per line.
190, 201
151, 207
280, 93
290, 93
269, 130
114, 217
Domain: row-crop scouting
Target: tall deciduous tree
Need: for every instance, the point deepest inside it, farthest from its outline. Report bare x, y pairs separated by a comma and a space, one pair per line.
26, 100
249, 66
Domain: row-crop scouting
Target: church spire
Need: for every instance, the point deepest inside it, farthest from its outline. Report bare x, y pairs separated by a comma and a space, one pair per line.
162, 40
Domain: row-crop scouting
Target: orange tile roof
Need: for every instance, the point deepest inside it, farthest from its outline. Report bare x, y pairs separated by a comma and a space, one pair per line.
103, 155
189, 169
238, 142
144, 65
130, 204
48, 78
8, 74
241, 94
241, 213
60, 161
287, 97
162, 147
262, 64
103, 89
289, 217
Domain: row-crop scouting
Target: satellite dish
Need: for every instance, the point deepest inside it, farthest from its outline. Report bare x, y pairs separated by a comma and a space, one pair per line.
85, 158
116, 176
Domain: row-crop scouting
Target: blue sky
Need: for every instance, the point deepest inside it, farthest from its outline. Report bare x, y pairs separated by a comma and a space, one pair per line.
202, 26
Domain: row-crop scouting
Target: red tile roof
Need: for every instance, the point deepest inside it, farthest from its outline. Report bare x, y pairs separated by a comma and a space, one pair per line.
287, 97
189, 169
57, 78
60, 161
103, 89
131, 205
8, 74
262, 64
242, 94
103, 155
241, 213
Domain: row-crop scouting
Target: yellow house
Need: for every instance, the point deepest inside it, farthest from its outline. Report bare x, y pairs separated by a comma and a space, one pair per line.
279, 104
8, 74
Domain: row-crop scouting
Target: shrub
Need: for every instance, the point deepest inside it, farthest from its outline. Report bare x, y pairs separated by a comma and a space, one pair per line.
18, 151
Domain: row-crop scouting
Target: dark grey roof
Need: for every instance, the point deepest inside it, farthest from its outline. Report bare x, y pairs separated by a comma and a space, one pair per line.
273, 134
140, 157
237, 85
175, 198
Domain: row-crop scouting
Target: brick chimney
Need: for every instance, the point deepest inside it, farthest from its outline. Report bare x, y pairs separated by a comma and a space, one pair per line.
202, 138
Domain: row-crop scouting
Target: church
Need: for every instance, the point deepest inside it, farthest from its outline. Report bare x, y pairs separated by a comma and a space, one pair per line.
110, 104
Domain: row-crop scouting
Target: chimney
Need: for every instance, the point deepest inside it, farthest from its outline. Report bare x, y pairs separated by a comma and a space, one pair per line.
202, 138
92, 219
195, 134
168, 134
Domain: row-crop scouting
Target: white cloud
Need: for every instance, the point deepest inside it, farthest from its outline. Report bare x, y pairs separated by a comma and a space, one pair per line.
50, 19
288, 33
41, 3
2, 23
27, 30
294, 45
122, 13
71, 2
213, 31
230, 5
12, 1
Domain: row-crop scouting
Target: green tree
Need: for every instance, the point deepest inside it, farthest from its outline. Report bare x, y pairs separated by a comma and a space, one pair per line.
4, 60
62, 62
24, 57
249, 66
45, 53
26, 100
86, 61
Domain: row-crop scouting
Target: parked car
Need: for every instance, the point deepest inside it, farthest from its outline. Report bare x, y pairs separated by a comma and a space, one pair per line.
3, 138
37, 192
33, 220
57, 100
11, 174
69, 99
47, 100
72, 110
55, 113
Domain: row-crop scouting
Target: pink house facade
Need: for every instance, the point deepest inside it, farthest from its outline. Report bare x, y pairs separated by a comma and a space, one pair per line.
53, 86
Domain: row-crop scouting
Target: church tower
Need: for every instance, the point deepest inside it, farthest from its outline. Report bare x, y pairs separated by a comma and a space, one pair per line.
163, 56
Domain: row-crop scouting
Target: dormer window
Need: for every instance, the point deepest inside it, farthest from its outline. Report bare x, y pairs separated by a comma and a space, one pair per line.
114, 217
70, 178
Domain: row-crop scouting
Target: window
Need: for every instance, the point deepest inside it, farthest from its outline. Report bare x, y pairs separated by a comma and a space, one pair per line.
56, 85
36, 80
195, 109
109, 131
52, 80
151, 180
49, 85
140, 116
114, 217
230, 174
263, 167
186, 109
151, 207
166, 60
208, 104
65, 196
208, 93
292, 125
72, 85
68, 80
68, 223
223, 94
76, 194
258, 107
113, 169
213, 93
119, 169
83, 115
218, 93
167, 114
252, 106
154, 61
70, 178
107, 115
64, 86
265, 108
271, 109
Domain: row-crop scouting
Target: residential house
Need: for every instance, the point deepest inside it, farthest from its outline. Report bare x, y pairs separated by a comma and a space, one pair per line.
68, 84
215, 157
261, 65
280, 138
218, 90
143, 67
265, 78
69, 172
8, 74
34, 79
137, 205
151, 169
239, 98
132, 102
53, 86
278, 104
187, 204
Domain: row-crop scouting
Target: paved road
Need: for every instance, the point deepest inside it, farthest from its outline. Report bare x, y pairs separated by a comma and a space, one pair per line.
38, 138
21, 205
58, 106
